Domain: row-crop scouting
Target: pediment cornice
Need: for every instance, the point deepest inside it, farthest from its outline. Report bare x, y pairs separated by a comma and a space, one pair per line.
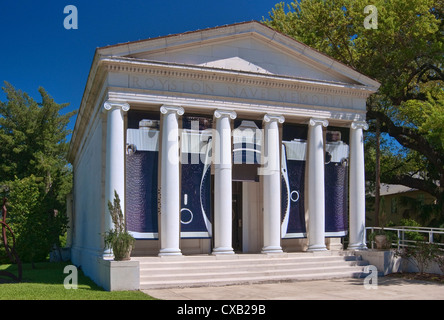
200, 73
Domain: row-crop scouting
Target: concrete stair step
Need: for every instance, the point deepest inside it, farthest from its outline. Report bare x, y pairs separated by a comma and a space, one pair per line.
165, 284
234, 274
205, 270
214, 268
189, 261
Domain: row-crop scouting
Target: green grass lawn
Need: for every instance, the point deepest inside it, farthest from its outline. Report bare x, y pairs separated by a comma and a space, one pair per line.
45, 282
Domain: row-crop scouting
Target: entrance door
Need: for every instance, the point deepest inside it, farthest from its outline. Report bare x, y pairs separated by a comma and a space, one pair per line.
237, 216
252, 218
247, 217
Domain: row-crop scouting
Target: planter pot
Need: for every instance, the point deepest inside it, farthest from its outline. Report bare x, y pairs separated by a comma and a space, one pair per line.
121, 250
381, 241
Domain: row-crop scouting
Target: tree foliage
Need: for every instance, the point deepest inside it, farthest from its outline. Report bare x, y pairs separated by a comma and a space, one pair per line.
405, 54
34, 173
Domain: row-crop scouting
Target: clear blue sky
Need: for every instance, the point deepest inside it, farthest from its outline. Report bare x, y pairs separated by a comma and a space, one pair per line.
36, 50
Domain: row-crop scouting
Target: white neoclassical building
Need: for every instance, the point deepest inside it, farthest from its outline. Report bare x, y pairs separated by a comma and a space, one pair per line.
234, 139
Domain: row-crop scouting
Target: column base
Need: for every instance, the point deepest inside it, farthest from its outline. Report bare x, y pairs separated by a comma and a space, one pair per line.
357, 246
108, 255
169, 252
272, 249
222, 250
317, 247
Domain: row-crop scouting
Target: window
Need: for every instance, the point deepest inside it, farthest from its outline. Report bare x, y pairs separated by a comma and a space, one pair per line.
394, 206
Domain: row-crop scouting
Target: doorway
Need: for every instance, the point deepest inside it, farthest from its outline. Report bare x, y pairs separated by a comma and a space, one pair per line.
247, 219
237, 216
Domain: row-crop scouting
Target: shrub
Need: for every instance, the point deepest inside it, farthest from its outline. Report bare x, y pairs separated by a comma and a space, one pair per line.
440, 261
412, 235
36, 226
421, 255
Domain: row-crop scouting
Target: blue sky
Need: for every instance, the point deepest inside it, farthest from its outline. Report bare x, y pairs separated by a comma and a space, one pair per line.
37, 51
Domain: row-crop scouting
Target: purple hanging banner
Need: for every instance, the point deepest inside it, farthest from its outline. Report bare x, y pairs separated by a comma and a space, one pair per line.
142, 180
195, 212
294, 148
336, 185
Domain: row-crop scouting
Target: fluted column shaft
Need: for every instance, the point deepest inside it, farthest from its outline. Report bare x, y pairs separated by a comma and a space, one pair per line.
272, 184
170, 182
357, 186
222, 183
114, 160
316, 193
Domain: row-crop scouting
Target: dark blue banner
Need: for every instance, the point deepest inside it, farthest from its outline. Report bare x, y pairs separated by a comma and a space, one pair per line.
142, 180
336, 185
293, 164
247, 140
195, 210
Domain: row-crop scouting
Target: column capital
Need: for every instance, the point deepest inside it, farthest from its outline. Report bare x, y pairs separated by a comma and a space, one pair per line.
225, 113
315, 122
274, 117
359, 125
108, 105
169, 109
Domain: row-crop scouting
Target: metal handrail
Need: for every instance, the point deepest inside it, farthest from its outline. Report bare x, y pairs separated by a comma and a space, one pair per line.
401, 230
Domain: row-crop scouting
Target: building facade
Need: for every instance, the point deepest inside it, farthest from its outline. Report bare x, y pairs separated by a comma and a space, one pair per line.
234, 139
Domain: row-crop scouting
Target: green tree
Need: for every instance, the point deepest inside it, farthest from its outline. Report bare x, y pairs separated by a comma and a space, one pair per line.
405, 54
34, 170
27, 219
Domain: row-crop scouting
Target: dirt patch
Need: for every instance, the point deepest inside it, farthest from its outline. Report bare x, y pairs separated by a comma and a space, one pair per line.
433, 277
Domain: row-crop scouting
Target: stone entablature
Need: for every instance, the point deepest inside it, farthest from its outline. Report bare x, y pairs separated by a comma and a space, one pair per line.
151, 75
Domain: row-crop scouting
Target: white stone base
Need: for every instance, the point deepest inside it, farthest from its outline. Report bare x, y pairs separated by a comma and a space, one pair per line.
271, 249
222, 250
384, 260
170, 252
317, 247
118, 275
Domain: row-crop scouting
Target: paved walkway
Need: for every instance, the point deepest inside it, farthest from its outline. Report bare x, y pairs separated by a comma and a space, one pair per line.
335, 289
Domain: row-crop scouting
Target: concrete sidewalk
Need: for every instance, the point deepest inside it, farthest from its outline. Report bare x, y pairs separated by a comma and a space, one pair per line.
335, 289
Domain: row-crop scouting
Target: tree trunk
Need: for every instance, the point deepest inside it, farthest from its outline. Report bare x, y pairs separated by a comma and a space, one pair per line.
440, 198
377, 173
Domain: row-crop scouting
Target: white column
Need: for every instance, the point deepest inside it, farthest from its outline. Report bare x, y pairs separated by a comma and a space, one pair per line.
316, 200
272, 184
169, 182
222, 158
115, 159
357, 186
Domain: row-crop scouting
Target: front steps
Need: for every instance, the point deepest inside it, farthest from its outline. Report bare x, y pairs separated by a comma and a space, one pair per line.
209, 270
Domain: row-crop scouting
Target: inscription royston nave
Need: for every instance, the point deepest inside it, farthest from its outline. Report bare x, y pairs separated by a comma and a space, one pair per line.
250, 92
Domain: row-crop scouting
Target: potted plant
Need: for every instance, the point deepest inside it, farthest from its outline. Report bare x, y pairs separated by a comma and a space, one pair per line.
118, 239
382, 239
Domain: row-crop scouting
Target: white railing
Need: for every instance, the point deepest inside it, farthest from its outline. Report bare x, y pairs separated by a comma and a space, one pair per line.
402, 240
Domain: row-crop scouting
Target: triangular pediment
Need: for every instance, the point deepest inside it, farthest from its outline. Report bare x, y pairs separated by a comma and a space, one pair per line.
249, 54
234, 63
246, 47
